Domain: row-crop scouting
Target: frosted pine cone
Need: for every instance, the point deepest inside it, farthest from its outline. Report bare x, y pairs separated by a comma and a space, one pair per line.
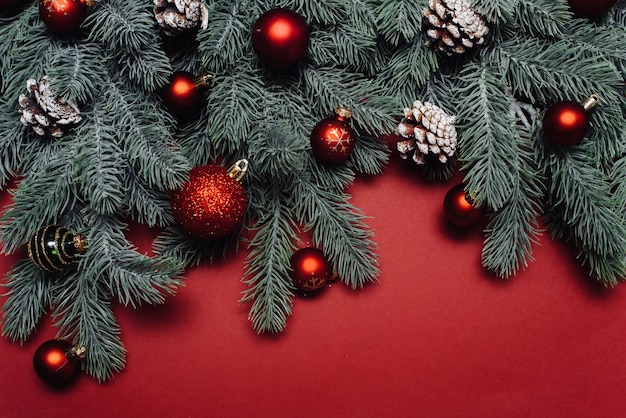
429, 130
453, 26
44, 112
175, 16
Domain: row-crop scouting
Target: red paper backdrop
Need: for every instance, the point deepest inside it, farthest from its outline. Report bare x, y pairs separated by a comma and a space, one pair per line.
437, 337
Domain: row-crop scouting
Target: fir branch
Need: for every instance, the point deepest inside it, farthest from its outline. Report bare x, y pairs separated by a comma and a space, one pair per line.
176, 244
146, 205
100, 164
330, 87
83, 315
409, 68
47, 192
400, 21
329, 12
497, 11
75, 71
369, 156
28, 297
267, 272
339, 230
12, 143
542, 18
545, 72
514, 228
486, 131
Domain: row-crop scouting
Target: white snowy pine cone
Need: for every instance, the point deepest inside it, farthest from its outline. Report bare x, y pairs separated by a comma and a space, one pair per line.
428, 130
175, 16
44, 112
453, 26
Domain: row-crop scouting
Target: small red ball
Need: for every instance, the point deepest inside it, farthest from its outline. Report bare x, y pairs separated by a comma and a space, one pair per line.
53, 364
458, 208
566, 123
280, 37
62, 16
310, 270
182, 96
332, 139
589, 8
211, 204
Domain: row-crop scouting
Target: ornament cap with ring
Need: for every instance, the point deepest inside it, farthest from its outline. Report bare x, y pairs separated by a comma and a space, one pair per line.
89, 3
76, 353
343, 113
203, 81
590, 103
238, 170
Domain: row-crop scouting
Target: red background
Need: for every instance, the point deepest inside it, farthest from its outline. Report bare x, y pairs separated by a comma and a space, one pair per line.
437, 337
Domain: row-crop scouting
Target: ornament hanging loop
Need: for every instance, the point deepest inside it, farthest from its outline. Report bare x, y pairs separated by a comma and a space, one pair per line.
238, 170
590, 103
203, 81
76, 353
343, 112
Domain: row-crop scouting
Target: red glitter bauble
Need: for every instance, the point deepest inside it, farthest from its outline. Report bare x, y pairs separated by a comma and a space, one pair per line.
63, 16
332, 139
56, 362
458, 208
280, 37
183, 95
211, 204
566, 123
589, 8
310, 270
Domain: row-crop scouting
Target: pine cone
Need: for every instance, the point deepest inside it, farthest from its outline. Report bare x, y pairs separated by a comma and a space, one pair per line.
44, 112
429, 130
453, 26
175, 16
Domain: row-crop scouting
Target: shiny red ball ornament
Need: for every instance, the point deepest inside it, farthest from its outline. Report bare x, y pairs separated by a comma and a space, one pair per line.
280, 38
591, 8
184, 93
57, 362
310, 270
566, 123
213, 202
459, 209
64, 16
332, 139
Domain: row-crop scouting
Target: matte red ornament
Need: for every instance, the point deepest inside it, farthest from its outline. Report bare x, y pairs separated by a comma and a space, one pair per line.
591, 8
310, 270
213, 202
459, 209
184, 93
280, 38
566, 123
57, 362
64, 16
332, 139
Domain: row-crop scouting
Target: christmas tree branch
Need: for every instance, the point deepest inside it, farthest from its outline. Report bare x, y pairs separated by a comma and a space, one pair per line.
28, 297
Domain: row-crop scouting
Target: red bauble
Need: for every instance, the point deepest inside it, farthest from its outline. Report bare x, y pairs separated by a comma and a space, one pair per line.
310, 270
458, 208
332, 139
183, 95
63, 16
589, 8
566, 123
280, 37
213, 202
56, 362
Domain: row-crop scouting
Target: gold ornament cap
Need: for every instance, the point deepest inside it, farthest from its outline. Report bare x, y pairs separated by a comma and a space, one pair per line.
238, 170
203, 81
343, 112
590, 103
76, 353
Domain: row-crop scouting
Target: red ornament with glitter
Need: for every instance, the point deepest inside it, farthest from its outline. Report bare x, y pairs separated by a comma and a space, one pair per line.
566, 123
589, 8
184, 93
332, 139
64, 16
459, 208
213, 202
57, 362
280, 38
310, 269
